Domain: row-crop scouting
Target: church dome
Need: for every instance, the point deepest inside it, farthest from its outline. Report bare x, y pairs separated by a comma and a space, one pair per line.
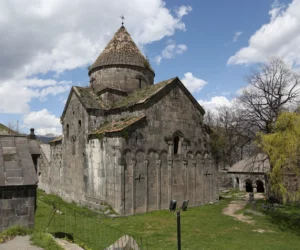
121, 50
121, 65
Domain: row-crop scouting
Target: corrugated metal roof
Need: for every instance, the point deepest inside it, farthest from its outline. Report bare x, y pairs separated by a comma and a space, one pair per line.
258, 164
16, 164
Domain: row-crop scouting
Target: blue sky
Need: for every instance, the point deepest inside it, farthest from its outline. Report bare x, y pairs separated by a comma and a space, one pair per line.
210, 45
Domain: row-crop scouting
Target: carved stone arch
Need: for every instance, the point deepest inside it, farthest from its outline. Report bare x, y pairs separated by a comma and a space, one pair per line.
137, 138
177, 140
127, 157
138, 153
177, 133
138, 134
189, 154
163, 152
259, 184
141, 79
139, 150
140, 76
152, 151
248, 184
205, 155
198, 154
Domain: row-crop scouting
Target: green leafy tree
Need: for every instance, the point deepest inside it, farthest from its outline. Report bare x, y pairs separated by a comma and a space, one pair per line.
283, 148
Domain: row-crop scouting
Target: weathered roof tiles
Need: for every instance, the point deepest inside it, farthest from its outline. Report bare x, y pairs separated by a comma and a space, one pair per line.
121, 50
16, 164
252, 165
56, 139
117, 125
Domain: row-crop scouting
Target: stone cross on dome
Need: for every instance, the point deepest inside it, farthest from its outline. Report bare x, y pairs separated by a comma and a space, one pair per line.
123, 18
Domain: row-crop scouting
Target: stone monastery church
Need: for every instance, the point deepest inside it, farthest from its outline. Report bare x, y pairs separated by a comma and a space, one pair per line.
128, 142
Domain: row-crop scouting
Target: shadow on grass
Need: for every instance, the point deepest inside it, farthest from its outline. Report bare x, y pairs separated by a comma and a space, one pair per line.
62, 235
287, 218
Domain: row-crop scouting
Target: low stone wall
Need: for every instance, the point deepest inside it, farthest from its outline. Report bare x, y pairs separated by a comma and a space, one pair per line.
225, 180
17, 206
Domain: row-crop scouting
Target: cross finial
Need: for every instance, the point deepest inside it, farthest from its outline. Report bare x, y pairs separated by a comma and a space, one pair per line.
123, 18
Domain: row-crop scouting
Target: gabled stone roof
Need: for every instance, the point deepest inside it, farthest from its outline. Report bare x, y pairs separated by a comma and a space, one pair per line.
16, 164
141, 95
121, 50
117, 125
257, 164
90, 100
56, 139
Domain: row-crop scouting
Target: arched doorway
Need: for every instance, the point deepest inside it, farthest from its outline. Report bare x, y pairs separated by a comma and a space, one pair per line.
260, 186
249, 187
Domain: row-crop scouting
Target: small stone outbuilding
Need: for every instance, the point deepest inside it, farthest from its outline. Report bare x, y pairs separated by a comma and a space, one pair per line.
18, 180
250, 174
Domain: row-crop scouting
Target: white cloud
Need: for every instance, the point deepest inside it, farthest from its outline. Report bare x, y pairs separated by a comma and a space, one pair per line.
61, 35
170, 51
183, 10
236, 36
180, 48
15, 98
192, 83
16, 94
58, 35
276, 9
43, 122
158, 59
280, 37
215, 103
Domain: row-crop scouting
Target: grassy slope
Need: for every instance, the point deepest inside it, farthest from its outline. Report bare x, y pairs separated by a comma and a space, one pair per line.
202, 228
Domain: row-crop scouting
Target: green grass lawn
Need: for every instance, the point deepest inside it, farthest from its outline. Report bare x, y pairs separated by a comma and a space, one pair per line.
203, 227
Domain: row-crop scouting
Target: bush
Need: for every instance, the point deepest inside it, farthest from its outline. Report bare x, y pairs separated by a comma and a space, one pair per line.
11, 232
45, 241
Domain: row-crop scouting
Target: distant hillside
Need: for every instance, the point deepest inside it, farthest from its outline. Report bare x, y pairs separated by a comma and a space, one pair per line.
45, 139
4, 130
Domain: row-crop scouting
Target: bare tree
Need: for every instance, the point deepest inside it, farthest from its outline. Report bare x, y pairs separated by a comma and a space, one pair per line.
13, 128
270, 88
229, 136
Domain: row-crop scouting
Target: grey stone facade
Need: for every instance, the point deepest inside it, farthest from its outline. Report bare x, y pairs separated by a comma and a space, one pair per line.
18, 180
132, 144
17, 206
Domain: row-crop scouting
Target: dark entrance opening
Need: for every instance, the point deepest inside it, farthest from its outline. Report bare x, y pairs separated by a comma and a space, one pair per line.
249, 187
260, 186
176, 144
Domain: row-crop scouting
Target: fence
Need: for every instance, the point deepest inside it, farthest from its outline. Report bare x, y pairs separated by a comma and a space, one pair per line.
90, 230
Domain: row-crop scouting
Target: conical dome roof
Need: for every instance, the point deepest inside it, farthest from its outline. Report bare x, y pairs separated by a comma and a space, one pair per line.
121, 50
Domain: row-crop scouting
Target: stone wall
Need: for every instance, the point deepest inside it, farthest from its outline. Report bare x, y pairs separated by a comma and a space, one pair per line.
75, 129
17, 206
153, 173
103, 173
225, 180
141, 171
51, 173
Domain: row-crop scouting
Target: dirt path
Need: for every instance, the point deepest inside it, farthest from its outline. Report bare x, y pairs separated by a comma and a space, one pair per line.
235, 206
19, 243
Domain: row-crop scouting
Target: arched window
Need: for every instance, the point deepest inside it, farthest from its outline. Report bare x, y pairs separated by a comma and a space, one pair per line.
67, 130
176, 145
140, 82
79, 125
